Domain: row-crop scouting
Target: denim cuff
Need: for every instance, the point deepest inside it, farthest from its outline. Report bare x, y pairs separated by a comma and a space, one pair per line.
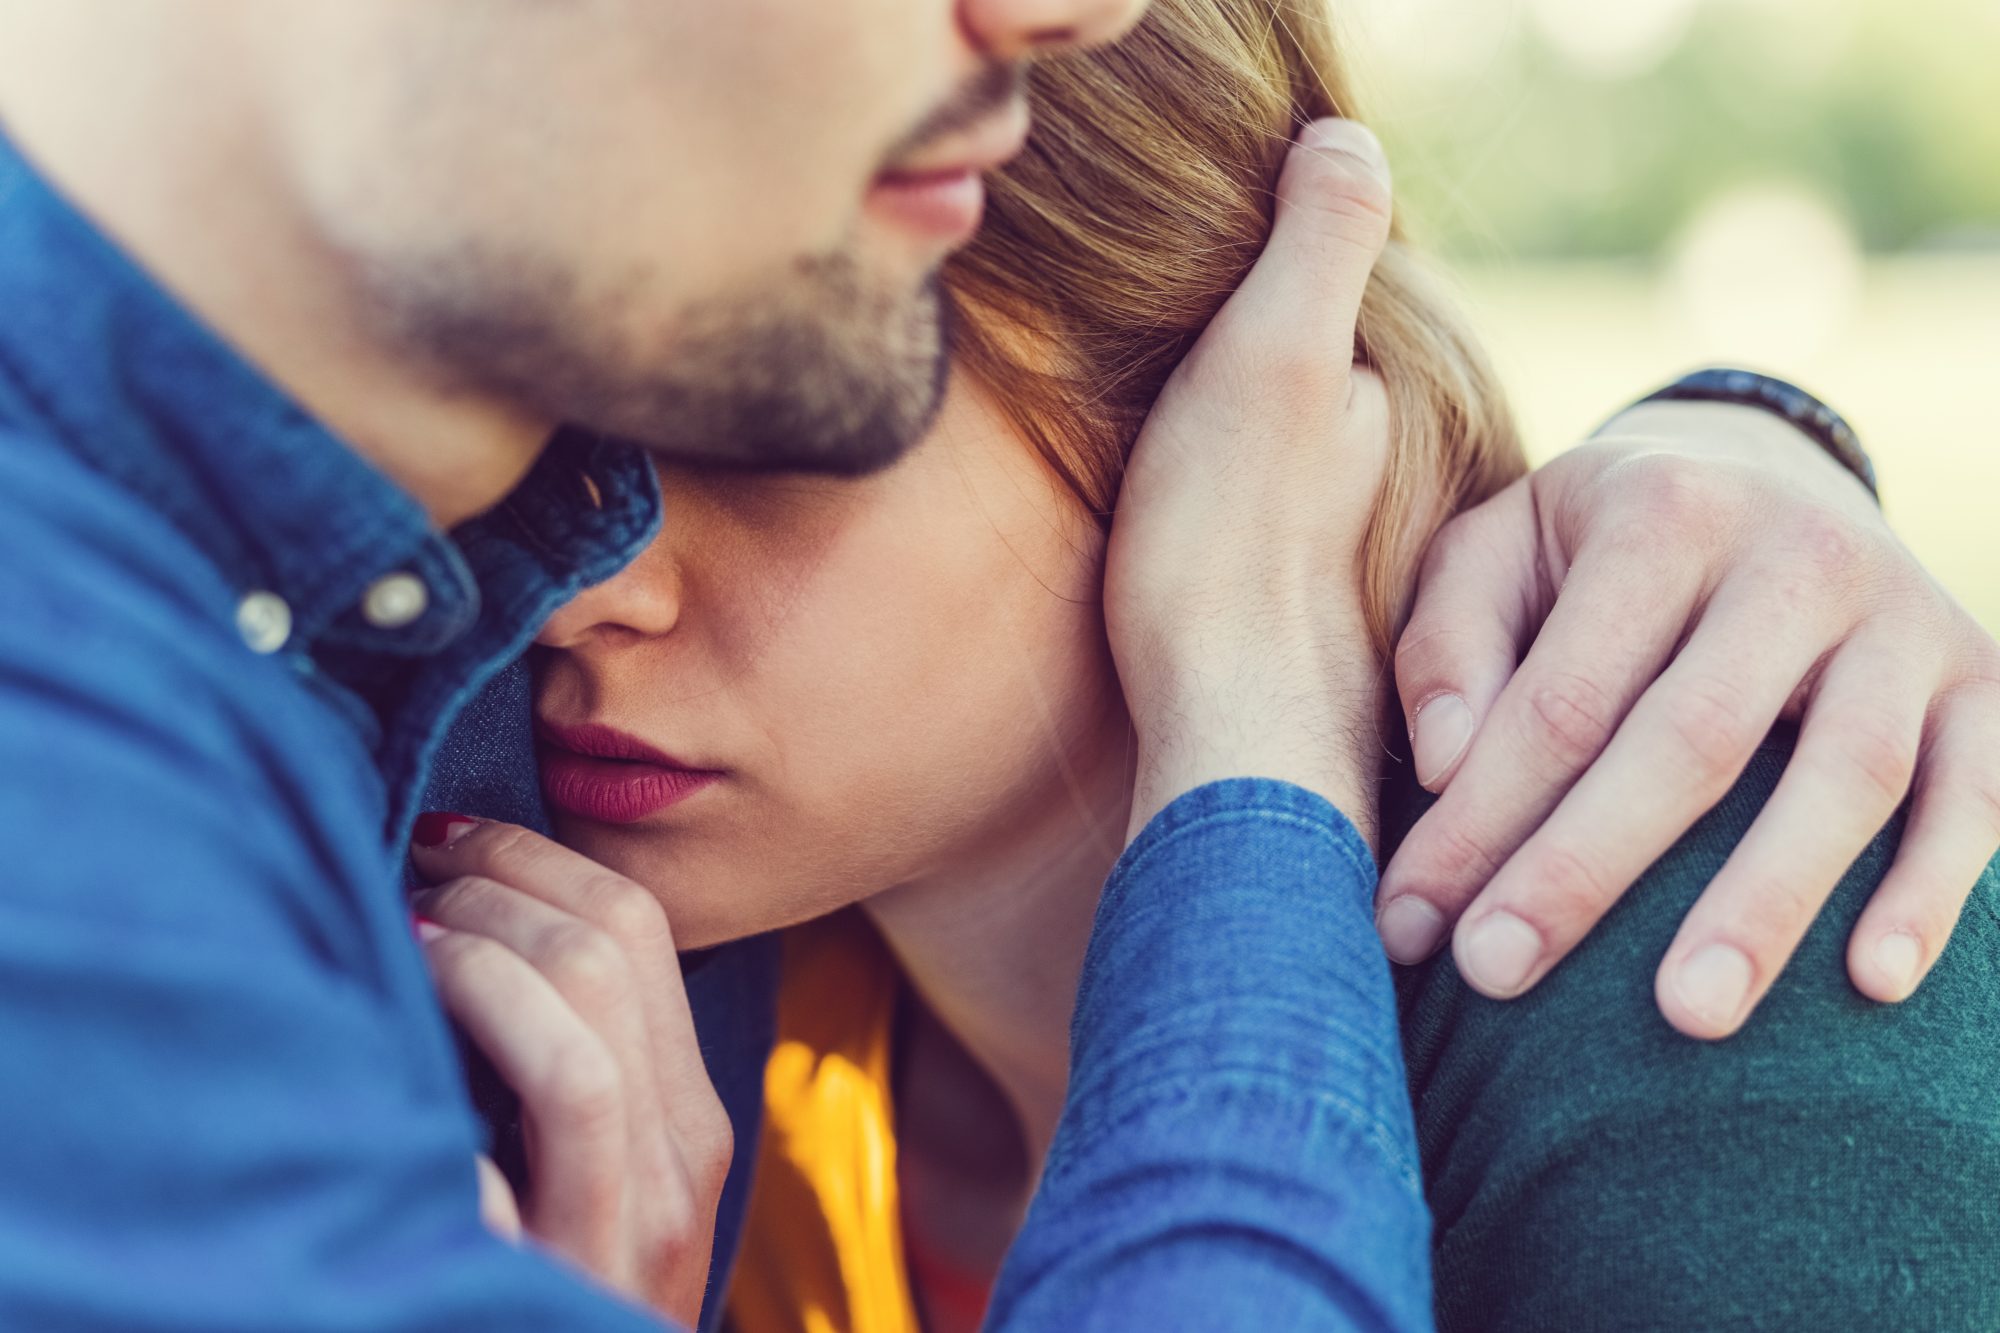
1235, 954
1256, 798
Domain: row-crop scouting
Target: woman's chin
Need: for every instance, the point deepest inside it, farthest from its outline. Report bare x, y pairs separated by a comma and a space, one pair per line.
711, 897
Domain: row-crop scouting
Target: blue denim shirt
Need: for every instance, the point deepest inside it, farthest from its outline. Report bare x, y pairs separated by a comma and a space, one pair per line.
228, 1099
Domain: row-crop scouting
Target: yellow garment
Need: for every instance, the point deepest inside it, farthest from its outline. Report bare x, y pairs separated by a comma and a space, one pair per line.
823, 1242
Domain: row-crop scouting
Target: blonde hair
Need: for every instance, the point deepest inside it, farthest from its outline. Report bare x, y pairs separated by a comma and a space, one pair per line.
1141, 202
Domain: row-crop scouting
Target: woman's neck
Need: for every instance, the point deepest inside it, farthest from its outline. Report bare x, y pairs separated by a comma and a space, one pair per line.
994, 949
993, 953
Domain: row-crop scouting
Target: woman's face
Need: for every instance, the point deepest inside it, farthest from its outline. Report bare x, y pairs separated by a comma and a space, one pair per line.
891, 679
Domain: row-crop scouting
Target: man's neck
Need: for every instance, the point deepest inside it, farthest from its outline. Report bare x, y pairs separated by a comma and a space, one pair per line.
170, 157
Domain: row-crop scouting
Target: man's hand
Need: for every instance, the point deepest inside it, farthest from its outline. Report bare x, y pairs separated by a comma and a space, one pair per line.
1231, 591
565, 975
1685, 580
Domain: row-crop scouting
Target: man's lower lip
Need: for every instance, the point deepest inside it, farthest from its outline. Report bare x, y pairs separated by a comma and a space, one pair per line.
946, 204
615, 791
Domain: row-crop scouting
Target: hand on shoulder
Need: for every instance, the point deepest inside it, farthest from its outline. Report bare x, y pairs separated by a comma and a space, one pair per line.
1679, 584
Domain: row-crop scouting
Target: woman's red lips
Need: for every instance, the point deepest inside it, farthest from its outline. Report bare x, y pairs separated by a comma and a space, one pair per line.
604, 774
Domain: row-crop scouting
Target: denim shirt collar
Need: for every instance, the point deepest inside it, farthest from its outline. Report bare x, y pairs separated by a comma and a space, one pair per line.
139, 389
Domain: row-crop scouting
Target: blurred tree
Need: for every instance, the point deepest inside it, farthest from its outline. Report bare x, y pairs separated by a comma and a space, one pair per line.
1512, 143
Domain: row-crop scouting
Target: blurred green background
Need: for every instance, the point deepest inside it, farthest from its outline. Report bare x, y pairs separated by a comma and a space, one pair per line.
1631, 188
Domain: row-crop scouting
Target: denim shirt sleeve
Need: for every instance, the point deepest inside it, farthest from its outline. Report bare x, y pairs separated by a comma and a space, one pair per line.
1237, 1151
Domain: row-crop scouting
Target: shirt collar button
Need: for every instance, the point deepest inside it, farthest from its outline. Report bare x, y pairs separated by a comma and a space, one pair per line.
395, 601
264, 621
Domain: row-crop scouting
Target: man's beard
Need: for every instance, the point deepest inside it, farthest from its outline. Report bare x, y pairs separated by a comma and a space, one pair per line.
820, 370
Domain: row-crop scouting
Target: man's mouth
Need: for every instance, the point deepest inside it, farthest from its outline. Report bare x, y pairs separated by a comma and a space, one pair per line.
937, 189
992, 142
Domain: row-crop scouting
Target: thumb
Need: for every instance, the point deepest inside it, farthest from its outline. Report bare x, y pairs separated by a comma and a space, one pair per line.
1332, 220
1475, 602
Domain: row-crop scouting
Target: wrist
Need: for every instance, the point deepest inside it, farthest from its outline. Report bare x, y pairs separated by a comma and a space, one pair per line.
1781, 401
1161, 784
1315, 727
1741, 436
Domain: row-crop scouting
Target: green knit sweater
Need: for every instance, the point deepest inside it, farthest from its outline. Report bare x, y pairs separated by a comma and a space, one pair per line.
1834, 1167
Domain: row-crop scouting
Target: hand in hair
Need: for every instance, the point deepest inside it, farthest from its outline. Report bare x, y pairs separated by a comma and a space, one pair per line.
1686, 579
565, 975
1233, 590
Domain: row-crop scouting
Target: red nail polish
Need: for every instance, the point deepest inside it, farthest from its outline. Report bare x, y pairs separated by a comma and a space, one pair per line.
440, 828
426, 929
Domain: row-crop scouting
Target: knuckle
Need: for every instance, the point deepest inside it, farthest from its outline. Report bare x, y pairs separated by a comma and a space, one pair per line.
1982, 795
1712, 722
680, 1221
704, 1154
1480, 538
1832, 547
1573, 718
1789, 596
460, 955
1672, 495
1773, 915
1451, 855
711, 1138
629, 913
494, 846
1447, 544
1977, 692
717, 1151
1426, 650
457, 898
580, 1085
1344, 190
676, 1223
1877, 748
584, 964
1570, 891
507, 854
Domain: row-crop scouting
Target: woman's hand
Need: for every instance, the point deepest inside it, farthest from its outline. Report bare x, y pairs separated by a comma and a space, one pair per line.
1686, 579
1231, 593
565, 975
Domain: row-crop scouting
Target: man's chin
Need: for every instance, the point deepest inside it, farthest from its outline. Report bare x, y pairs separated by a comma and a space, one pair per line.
803, 389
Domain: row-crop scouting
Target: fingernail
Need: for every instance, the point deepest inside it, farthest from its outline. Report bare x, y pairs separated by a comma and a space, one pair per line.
1351, 139
427, 929
1714, 983
438, 828
1497, 952
1438, 737
1898, 955
1410, 928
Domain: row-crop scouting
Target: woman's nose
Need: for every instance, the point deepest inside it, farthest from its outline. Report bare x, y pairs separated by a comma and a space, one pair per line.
641, 601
